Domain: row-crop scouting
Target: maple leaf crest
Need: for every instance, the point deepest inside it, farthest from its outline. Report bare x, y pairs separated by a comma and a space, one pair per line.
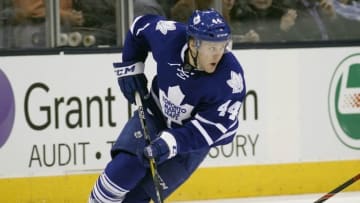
172, 107
235, 82
164, 26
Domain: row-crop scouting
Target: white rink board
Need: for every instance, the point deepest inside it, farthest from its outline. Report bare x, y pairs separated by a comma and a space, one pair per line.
292, 125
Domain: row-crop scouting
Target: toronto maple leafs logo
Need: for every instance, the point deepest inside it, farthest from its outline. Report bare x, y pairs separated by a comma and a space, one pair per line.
172, 107
235, 82
164, 26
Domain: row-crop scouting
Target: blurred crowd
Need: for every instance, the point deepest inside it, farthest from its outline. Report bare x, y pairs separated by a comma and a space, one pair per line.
296, 20
92, 22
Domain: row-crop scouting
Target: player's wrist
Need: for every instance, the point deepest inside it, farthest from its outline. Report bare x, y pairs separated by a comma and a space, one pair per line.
162, 148
128, 68
131, 79
168, 142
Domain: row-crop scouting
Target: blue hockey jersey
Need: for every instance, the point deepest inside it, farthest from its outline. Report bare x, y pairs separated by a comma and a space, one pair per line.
201, 109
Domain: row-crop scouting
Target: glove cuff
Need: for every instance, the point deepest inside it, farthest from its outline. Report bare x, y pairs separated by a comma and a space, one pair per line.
128, 68
170, 141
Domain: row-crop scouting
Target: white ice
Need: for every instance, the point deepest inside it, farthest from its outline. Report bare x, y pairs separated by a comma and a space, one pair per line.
342, 197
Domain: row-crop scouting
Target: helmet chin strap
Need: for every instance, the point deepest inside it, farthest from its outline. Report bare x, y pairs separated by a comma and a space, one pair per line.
194, 56
188, 66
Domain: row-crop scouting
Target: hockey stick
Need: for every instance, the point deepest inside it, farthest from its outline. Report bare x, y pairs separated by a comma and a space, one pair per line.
153, 167
338, 189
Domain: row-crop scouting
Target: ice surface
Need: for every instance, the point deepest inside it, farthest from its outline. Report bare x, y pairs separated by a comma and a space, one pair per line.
342, 197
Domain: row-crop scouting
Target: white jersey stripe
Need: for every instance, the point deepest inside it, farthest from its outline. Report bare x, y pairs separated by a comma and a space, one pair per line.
133, 24
203, 132
218, 125
227, 135
232, 125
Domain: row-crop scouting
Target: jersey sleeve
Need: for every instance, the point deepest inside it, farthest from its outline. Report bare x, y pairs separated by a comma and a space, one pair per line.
216, 124
142, 37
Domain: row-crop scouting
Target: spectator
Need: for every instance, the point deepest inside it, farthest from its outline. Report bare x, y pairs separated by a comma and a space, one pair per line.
34, 10
264, 20
6, 16
99, 20
348, 9
317, 20
142, 7
227, 6
182, 10
167, 5
29, 30
348, 13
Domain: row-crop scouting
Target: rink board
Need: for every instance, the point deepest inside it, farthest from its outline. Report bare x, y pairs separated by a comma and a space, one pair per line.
288, 142
206, 183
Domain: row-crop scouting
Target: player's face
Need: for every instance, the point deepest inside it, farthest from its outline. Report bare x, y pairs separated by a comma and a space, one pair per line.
210, 54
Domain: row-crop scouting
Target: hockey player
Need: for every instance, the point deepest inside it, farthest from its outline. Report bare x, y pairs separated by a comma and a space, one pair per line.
199, 88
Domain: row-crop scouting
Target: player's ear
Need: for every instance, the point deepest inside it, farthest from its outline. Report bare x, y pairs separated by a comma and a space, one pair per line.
191, 44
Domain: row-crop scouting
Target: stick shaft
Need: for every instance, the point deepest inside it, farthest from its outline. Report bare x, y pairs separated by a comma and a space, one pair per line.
338, 189
153, 167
